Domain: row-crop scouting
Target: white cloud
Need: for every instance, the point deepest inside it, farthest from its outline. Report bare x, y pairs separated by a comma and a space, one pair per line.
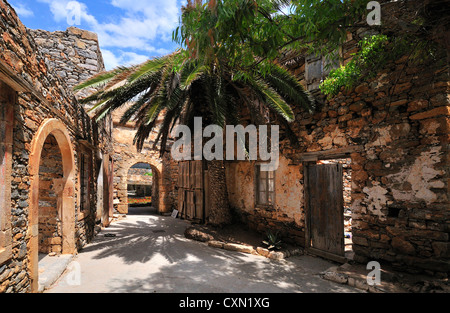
122, 58
142, 21
63, 10
142, 24
22, 10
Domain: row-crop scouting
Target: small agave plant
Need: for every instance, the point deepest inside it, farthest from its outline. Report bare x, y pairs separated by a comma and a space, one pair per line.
272, 242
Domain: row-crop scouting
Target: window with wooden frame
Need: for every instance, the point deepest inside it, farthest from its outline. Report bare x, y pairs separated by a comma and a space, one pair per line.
317, 68
265, 187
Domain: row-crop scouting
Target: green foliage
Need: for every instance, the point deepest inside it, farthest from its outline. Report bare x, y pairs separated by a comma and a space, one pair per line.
370, 56
272, 241
176, 87
374, 53
248, 31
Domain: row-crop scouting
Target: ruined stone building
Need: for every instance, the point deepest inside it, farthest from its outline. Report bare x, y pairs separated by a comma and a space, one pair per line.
51, 151
76, 56
380, 151
64, 172
369, 179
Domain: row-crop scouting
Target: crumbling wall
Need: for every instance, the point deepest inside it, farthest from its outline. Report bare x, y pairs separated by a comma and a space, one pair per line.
164, 169
285, 216
40, 96
395, 130
74, 54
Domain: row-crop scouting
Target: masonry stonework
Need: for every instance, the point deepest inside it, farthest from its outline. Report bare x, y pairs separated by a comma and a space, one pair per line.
395, 129
42, 106
164, 169
76, 56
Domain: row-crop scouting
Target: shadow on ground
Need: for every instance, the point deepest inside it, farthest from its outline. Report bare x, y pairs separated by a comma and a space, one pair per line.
149, 253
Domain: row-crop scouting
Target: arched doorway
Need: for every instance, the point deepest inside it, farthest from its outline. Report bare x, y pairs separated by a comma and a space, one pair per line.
142, 192
121, 169
52, 203
50, 189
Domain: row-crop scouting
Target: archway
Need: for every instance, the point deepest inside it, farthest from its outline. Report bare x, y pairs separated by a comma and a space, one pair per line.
152, 176
141, 190
54, 138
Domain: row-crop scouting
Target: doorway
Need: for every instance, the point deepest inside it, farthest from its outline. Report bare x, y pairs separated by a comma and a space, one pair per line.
140, 188
52, 198
50, 192
328, 198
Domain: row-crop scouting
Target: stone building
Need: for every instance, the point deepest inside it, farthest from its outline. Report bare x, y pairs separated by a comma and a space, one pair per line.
379, 150
75, 55
50, 150
393, 132
163, 169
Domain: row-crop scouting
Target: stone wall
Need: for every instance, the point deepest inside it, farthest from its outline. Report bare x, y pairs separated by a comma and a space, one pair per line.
164, 169
395, 130
74, 54
50, 178
285, 216
42, 105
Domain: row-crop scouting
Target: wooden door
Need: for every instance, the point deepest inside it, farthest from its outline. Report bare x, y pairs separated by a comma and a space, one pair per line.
326, 209
191, 191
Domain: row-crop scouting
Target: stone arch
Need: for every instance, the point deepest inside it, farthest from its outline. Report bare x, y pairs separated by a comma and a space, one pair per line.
121, 175
58, 130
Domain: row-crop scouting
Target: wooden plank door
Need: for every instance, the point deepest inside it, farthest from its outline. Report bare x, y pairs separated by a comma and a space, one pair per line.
326, 208
191, 191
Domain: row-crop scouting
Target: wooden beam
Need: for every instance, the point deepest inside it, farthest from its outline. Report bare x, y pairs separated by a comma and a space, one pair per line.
329, 154
12, 79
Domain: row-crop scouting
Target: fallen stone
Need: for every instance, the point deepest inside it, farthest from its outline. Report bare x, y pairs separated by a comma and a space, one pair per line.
332, 275
216, 244
276, 255
238, 248
192, 233
263, 251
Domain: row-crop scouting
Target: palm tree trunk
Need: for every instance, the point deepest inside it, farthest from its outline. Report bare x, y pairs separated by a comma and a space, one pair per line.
219, 211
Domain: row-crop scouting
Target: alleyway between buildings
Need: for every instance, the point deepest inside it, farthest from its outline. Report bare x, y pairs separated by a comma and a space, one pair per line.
148, 253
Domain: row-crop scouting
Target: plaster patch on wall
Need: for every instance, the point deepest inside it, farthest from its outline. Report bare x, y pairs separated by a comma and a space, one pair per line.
389, 134
420, 175
288, 189
376, 199
383, 138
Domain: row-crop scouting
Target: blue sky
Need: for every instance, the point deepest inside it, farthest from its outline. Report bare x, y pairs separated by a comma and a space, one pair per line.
130, 32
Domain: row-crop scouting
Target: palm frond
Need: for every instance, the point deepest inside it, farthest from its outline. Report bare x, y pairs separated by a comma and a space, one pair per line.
289, 87
135, 107
149, 67
101, 79
191, 72
271, 98
127, 93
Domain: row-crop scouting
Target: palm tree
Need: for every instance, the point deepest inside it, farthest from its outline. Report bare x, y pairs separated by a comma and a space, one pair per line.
175, 88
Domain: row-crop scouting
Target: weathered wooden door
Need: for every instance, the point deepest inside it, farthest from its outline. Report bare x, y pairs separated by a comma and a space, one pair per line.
191, 191
326, 209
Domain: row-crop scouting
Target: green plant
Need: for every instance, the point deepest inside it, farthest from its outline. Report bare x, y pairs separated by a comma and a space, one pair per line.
367, 60
374, 53
272, 241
